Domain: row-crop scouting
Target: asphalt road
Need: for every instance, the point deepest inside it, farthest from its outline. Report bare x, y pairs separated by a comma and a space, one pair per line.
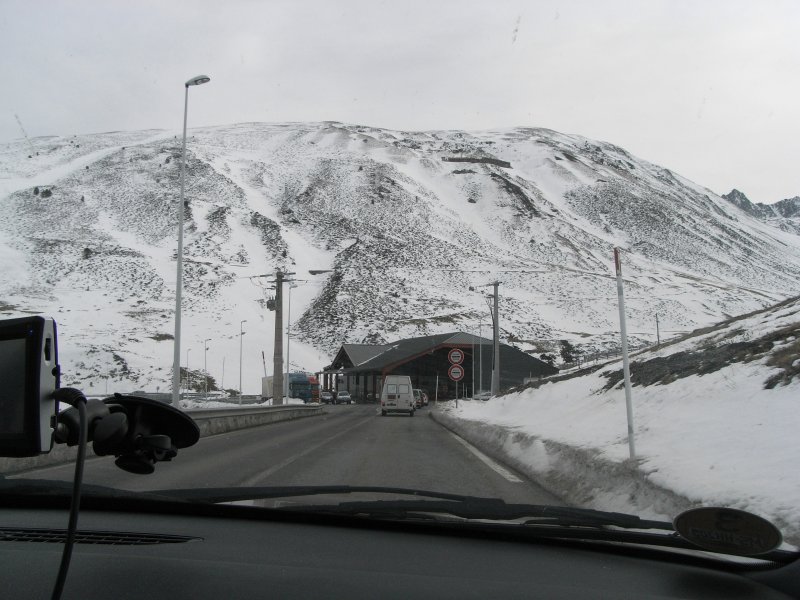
348, 445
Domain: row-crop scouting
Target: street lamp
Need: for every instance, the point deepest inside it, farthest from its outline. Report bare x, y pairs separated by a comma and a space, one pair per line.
241, 333
205, 369
176, 361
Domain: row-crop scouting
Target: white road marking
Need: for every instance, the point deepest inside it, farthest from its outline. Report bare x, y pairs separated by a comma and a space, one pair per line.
500, 470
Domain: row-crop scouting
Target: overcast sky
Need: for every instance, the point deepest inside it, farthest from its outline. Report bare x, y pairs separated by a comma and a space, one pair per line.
707, 88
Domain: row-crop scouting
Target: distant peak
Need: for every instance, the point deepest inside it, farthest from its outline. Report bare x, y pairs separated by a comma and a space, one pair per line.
736, 197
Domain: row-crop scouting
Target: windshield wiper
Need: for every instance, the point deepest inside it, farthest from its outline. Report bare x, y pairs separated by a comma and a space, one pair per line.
234, 494
490, 510
456, 505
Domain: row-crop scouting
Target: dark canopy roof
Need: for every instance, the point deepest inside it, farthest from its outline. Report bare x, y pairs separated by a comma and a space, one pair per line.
368, 357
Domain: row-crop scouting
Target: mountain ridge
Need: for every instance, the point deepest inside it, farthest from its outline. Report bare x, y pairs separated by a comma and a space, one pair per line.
411, 225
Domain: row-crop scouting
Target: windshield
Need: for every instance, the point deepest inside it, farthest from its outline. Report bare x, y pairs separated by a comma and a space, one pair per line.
547, 253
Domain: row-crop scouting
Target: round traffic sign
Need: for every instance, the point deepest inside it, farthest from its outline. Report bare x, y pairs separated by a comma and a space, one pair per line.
456, 372
455, 356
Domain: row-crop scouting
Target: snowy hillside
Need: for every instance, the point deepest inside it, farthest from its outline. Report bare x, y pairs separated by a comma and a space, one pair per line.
715, 417
412, 224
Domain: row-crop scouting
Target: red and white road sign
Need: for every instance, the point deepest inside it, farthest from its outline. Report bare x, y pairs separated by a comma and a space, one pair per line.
456, 372
456, 356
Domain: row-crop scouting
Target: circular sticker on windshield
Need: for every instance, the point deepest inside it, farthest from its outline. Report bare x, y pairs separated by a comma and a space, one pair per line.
728, 530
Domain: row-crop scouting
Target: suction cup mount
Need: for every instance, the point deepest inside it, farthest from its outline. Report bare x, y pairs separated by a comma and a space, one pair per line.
138, 431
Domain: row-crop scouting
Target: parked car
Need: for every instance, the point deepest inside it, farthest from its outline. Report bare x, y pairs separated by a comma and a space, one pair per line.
424, 398
343, 397
417, 398
326, 397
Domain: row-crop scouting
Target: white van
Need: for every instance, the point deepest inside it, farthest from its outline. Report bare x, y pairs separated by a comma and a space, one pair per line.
397, 395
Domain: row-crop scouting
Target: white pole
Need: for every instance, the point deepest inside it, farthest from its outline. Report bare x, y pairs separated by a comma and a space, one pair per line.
435, 392
176, 371
241, 333
288, 328
205, 366
472, 335
480, 356
626, 370
176, 358
496, 366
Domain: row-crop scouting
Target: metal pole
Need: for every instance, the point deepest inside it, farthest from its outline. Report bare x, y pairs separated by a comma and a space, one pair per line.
436, 391
472, 335
241, 333
626, 370
205, 365
288, 334
480, 356
277, 370
496, 366
188, 379
658, 334
176, 370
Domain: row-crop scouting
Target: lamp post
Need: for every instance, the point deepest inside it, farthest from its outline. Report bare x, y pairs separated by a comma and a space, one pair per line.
241, 333
205, 363
176, 362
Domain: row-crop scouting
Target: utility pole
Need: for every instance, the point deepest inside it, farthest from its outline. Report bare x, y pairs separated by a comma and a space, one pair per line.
288, 336
277, 358
496, 320
658, 334
277, 379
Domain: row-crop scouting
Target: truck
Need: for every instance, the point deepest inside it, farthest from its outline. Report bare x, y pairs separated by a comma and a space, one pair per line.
299, 386
312, 379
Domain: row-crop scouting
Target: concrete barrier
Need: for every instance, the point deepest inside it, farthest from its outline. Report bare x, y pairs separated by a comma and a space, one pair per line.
213, 421
210, 422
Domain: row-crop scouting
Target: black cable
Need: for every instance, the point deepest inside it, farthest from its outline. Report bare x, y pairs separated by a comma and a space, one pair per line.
75, 398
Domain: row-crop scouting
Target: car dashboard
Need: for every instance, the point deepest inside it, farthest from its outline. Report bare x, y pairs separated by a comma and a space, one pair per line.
216, 552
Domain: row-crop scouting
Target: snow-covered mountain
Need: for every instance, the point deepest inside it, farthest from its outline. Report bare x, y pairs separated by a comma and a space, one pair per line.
784, 214
411, 224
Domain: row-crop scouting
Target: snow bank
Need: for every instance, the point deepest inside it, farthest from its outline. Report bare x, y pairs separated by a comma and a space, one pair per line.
717, 439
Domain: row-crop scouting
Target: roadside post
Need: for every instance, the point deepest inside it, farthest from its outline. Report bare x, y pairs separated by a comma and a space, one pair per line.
626, 369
